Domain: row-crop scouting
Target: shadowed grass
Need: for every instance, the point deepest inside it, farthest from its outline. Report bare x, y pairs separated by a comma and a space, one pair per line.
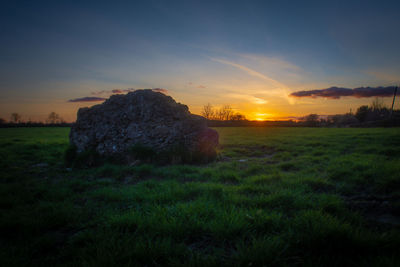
277, 197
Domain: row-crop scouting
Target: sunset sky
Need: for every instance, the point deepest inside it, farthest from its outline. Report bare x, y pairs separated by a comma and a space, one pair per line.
249, 54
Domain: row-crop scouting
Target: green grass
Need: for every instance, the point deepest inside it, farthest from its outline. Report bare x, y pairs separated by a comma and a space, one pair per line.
274, 197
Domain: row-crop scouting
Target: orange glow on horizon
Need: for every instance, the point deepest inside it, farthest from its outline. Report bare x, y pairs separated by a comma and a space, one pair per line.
266, 116
256, 116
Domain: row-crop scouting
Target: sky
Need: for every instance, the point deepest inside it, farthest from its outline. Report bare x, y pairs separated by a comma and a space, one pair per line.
251, 55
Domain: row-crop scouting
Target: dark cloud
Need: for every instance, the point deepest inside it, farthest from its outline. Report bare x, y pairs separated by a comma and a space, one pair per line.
118, 91
109, 93
87, 99
122, 91
114, 91
337, 92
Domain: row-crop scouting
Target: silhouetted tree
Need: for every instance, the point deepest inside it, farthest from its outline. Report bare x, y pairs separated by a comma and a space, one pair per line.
15, 117
311, 120
347, 119
377, 104
54, 118
208, 112
224, 113
238, 117
333, 119
362, 113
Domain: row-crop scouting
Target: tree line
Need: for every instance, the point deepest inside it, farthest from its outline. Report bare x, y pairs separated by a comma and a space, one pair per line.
53, 119
225, 113
375, 114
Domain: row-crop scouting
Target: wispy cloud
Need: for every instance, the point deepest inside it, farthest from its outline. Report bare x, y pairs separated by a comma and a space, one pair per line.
249, 98
87, 99
200, 86
250, 71
337, 92
271, 62
387, 76
160, 90
278, 86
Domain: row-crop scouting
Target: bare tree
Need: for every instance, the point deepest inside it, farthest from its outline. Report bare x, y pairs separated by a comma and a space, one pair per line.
15, 117
54, 118
208, 112
219, 115
224, 113
228, 112
238, 117
377, 104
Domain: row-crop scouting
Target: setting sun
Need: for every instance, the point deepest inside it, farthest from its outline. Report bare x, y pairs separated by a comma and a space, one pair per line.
262, 116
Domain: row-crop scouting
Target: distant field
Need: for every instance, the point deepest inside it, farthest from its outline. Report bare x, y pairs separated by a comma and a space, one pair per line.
275, 197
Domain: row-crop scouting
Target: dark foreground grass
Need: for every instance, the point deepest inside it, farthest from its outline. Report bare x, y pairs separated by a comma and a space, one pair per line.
275, 197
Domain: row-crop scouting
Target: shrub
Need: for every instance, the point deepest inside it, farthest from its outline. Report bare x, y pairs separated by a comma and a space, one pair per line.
362, 112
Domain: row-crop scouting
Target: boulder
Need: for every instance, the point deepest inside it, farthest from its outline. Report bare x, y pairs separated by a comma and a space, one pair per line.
146, 119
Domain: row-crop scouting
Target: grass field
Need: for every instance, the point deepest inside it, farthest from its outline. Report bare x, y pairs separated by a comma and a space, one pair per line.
275, 197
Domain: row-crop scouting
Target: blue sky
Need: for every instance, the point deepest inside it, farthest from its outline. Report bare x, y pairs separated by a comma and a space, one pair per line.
250, 54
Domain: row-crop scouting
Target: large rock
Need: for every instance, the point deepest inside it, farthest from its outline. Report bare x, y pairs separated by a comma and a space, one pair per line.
146, 118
